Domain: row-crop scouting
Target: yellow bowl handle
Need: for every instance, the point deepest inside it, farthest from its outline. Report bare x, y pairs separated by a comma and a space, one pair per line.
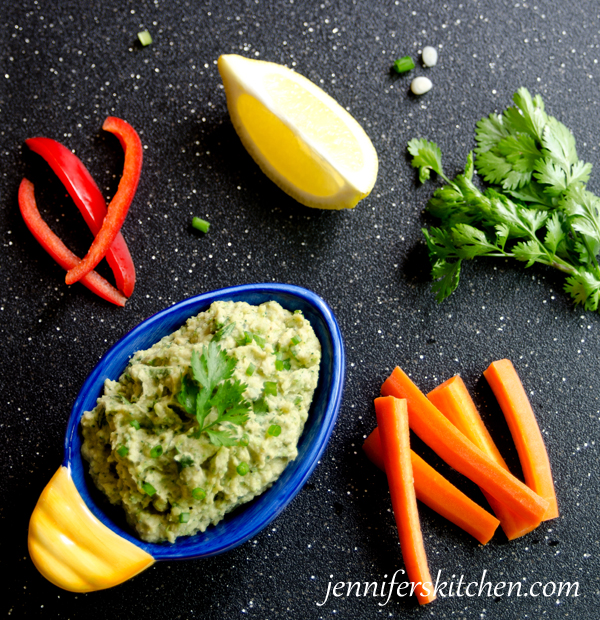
72, 548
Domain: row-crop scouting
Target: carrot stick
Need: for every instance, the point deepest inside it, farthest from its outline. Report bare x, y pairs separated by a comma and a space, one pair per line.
440, 494
392, 419
509, 391
454, 448
454, 401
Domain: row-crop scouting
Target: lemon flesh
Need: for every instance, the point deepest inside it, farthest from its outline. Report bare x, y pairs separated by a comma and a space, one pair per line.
302, 139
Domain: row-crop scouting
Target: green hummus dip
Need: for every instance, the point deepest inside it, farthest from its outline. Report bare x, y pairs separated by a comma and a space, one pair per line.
177, 466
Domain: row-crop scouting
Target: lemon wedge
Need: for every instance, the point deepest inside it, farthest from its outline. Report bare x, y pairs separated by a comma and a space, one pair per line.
302, 139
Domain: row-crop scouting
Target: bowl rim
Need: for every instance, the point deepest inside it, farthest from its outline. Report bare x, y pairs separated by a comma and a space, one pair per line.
302, 469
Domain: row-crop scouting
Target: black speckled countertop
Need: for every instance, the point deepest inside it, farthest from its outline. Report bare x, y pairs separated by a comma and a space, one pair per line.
66, 65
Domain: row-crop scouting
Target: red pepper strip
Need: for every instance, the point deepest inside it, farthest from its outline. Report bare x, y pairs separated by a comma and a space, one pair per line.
57, 249
119, 205
89, 200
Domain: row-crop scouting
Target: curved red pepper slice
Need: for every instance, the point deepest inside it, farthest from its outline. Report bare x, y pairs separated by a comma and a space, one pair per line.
119, 205
57, 249
89, 200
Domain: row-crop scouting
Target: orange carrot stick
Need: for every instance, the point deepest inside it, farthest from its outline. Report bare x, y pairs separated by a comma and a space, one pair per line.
392, 419
452, 446
440, 494
509, 391
453, 399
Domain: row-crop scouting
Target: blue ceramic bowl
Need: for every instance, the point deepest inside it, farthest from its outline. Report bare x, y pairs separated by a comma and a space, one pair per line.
247, 521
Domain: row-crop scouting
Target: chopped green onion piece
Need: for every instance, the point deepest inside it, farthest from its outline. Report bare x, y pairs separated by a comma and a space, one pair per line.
144, 38
404, 64
296, 340
122, 450
135, 424
298, 401
156, 451
242, 469
245, 339
198, 493
184, 517
244, 440
274, 430
297, 311
250, 370
148, 489
279, 364
260, 341
270, 388
260, 406
287, 365
200, 224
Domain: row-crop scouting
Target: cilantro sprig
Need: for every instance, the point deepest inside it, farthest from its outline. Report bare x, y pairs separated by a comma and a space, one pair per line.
536, 208
212, 397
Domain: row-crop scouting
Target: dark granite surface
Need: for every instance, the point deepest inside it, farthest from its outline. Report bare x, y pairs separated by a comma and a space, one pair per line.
66, 65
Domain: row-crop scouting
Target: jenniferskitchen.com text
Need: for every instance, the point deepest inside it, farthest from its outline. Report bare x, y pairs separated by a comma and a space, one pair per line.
457, 586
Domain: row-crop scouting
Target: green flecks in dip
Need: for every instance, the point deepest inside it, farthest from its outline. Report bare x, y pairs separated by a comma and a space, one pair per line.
145, 447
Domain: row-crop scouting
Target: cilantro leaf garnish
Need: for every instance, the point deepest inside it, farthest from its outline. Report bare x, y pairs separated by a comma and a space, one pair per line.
221, 438
427, 156
211, 396
223, 332
536, 208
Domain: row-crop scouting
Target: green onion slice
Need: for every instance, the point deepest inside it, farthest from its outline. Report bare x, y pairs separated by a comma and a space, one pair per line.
270, 388
404, 64
200, 224
148, 489
245, 339
260, 406
156, 451
144, 38
274, 430
198, 493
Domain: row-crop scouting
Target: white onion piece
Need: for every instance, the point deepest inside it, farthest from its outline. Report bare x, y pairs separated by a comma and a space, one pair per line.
421, 85
430, 56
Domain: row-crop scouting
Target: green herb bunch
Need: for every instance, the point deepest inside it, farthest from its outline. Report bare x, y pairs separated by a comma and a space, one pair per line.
536, 208
212, 397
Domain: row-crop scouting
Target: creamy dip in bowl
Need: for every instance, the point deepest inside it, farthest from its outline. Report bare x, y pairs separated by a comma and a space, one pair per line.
204, 420
246, 521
